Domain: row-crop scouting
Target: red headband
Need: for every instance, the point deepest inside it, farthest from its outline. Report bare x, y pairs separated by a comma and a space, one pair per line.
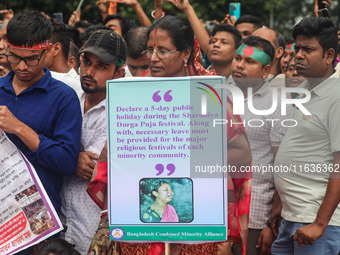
40, 46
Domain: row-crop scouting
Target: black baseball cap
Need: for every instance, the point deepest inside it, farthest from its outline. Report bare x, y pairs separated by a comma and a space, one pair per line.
108, 46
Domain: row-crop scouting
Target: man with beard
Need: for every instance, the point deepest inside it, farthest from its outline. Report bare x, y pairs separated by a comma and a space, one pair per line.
40, 115
101, 59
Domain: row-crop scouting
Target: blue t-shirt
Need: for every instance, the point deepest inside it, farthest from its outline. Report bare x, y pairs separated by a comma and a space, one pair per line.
52, 110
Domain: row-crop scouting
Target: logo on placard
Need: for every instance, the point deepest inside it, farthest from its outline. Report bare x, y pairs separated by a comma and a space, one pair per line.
204, 97
117, 233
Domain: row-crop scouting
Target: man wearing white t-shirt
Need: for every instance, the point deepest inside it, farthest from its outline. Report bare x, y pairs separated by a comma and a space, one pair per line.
57, 58
310, 192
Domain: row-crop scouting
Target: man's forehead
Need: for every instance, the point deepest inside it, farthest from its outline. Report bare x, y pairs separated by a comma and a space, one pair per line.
113, 22
223, 34
305, 40
24, 52
94, 58
245, 26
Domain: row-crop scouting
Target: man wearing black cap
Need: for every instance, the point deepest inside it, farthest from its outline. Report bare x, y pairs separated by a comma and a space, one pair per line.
100, 60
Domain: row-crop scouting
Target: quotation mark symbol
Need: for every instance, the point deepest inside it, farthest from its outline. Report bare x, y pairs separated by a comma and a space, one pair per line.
157, 98
160, 168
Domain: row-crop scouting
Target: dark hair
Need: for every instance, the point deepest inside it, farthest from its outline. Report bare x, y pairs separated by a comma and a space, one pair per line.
57, 246
257, 23
279, 40
147, 186
136, 40
73, 33
125, 23
230, 29
259, 42
179, 30
88, 31
157, 186
74, 52
61, 35
82, 24
323, 29
289, 41
28, 28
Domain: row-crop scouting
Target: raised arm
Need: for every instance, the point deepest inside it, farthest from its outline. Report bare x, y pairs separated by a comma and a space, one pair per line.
142, 17
201, 34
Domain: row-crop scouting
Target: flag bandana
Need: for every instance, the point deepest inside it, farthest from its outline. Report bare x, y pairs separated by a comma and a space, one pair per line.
254, 53
290, 46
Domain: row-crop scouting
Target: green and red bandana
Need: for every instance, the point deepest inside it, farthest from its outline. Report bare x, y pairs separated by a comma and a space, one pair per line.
290, 46
252, 52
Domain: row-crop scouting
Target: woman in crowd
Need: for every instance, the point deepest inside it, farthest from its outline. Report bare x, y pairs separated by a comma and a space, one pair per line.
172, 53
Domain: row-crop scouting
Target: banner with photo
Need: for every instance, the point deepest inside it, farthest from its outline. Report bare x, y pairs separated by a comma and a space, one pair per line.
162, 138
27, 215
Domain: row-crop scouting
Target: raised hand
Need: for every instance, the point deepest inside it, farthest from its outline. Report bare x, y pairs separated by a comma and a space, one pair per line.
7, 14
75, 17
127, 2
180, 4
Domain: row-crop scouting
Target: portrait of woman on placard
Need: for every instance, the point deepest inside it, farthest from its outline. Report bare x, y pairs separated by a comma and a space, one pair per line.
161, 210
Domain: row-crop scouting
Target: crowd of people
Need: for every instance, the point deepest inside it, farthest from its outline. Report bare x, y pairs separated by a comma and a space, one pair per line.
53, 108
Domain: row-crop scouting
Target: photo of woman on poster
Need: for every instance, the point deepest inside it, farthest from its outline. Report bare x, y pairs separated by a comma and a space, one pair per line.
157, 198
160, 210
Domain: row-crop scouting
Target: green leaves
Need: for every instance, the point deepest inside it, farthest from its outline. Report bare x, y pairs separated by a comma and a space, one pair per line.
285, 13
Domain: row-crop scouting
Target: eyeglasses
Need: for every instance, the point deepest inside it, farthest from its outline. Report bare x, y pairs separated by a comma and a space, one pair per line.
160, 53
29, 61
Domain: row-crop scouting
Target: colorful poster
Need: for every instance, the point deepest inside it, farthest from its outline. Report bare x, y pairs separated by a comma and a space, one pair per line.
27, 215
162, 137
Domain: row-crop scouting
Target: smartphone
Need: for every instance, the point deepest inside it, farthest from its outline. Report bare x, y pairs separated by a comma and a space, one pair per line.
235, 11
210, 24
58, 16
324, 13
1, 16
321, 4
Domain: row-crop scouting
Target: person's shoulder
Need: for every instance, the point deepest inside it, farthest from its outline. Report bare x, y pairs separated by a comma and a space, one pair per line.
146, 217
71, 79
58, 86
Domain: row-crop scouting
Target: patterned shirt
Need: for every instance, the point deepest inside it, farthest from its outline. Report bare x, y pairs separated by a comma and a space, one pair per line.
79, 211
262, 139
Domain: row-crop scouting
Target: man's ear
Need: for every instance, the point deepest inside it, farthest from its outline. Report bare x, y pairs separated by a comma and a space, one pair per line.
57, 48
266, 71
119, 73
279, 52
72, 63
330, 55
49, 48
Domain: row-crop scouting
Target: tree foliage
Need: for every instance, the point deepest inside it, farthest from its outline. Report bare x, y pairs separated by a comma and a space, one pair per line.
284, 13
